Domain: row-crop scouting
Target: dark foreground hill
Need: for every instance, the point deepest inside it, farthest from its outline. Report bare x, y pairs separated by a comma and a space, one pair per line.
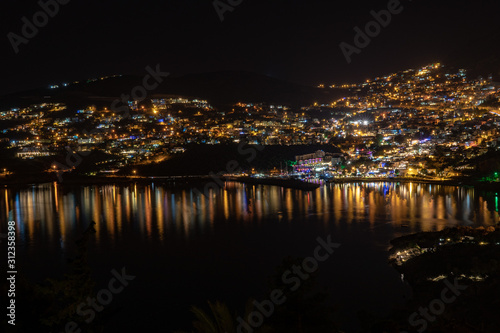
206, 159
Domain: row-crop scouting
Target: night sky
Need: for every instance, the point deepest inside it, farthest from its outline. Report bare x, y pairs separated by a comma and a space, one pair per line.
287, 39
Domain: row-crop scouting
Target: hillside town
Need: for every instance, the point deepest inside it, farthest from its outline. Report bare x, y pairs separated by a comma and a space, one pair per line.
432, 122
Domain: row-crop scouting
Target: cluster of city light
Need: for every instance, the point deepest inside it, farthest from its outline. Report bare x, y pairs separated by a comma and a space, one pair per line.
408, 123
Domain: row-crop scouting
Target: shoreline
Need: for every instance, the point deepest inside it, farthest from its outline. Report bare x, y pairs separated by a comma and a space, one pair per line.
188, 180
286, 183
451, 182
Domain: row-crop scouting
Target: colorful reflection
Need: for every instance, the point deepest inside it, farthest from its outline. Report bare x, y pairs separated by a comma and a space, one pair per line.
57, 212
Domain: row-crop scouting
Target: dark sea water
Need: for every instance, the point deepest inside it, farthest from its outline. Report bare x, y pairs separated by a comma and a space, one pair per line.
184, 248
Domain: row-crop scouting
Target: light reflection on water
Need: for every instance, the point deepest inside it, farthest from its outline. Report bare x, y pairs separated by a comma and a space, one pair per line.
235, 236
156, 211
